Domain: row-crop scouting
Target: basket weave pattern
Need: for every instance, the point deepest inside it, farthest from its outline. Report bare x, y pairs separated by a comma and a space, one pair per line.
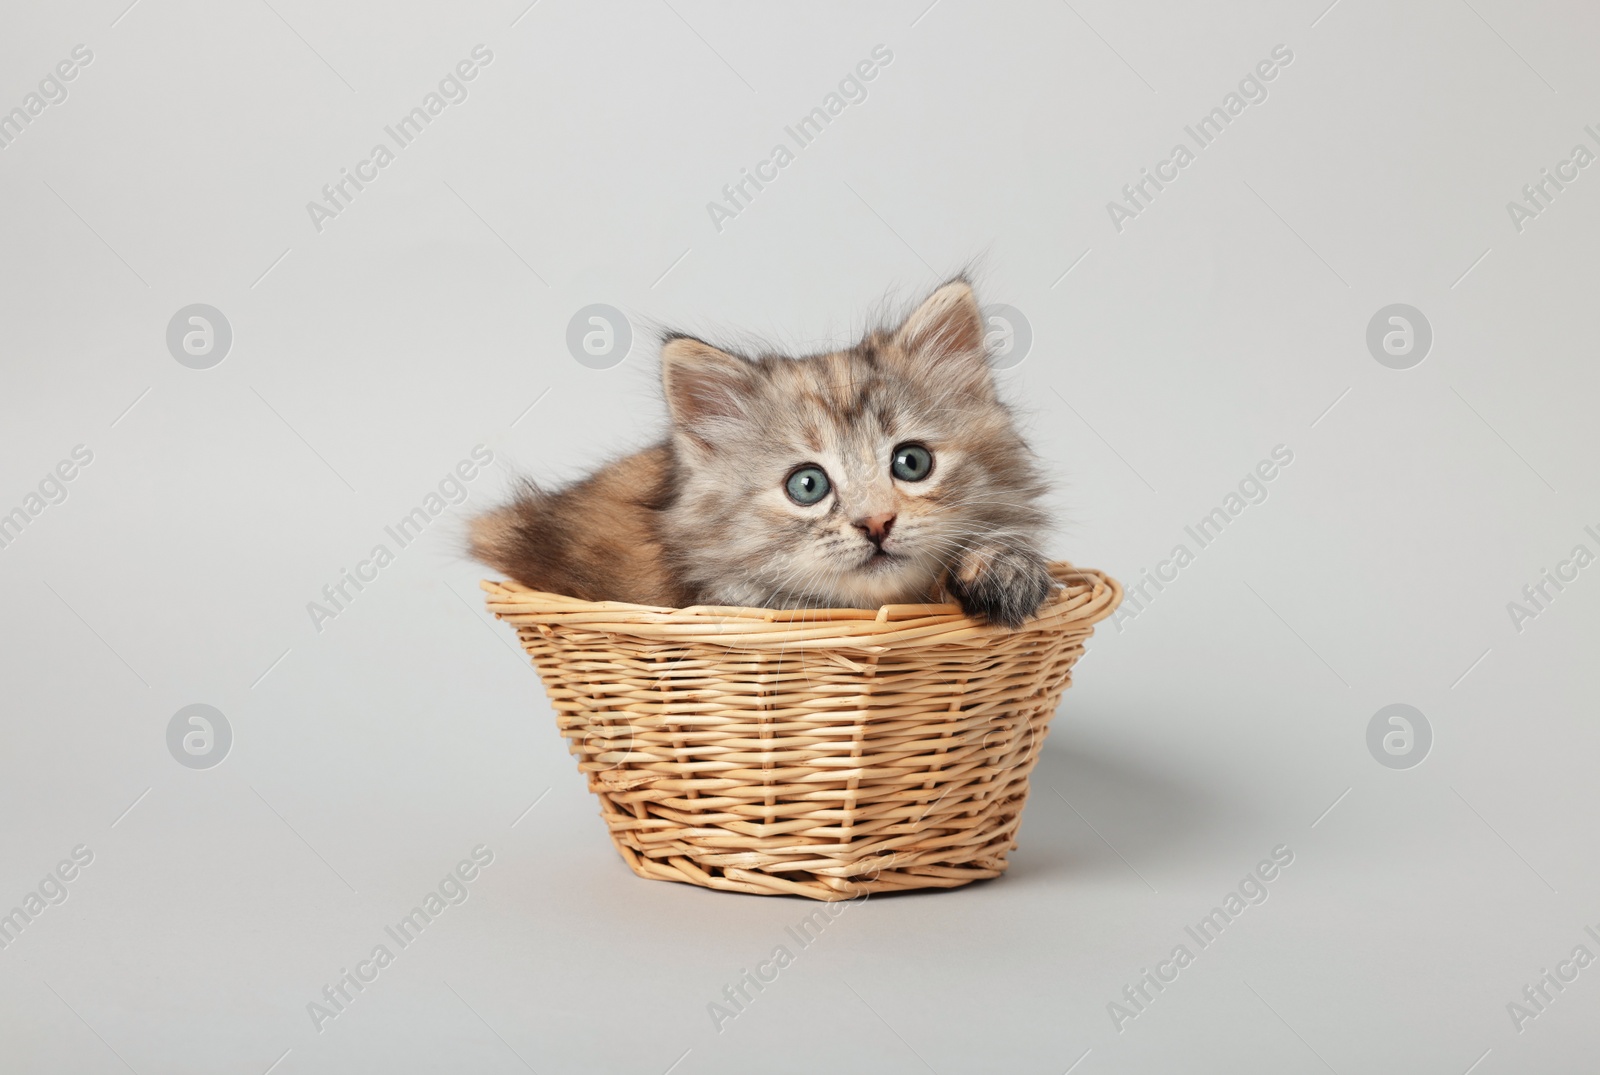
821, 753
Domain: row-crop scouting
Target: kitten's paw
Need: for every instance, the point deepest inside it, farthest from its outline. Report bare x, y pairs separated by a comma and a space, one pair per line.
1003, 586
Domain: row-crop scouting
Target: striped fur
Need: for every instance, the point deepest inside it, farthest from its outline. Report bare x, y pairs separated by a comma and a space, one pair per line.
703, 518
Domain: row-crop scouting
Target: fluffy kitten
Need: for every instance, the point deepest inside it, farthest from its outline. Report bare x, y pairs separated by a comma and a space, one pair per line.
887, 473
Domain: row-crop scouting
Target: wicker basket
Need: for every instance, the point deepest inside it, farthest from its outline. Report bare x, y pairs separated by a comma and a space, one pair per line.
821, 753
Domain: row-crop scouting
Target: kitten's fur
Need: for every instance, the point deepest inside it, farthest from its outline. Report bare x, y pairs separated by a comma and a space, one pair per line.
703, 517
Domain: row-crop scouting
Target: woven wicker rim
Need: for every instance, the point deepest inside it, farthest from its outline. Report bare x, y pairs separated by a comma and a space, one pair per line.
1085, 596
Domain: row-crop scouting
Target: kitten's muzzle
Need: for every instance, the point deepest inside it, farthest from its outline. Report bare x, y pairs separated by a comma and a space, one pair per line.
876, 527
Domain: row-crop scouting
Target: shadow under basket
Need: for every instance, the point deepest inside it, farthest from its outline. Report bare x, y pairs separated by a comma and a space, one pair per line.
823, 753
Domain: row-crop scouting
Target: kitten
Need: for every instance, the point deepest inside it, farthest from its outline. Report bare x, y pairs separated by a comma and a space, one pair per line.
887, 473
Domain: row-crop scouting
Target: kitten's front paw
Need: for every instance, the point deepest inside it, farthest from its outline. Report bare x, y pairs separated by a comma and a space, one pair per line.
1003, 586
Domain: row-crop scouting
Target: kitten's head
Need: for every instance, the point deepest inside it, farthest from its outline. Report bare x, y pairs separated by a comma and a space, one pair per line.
847, 479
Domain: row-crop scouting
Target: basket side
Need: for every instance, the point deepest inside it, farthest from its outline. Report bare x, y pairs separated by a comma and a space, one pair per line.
823, 772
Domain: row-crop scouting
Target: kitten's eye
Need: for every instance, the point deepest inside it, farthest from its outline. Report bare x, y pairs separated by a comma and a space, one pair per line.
912, 462
807, 485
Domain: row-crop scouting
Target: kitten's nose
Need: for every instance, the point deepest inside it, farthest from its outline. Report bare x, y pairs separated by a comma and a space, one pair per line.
876, 527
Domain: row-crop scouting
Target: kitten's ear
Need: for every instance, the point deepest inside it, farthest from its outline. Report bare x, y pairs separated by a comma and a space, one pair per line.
944, 338
705, 388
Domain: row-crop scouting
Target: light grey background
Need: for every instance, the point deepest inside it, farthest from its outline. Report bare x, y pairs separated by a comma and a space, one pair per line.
368, 359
